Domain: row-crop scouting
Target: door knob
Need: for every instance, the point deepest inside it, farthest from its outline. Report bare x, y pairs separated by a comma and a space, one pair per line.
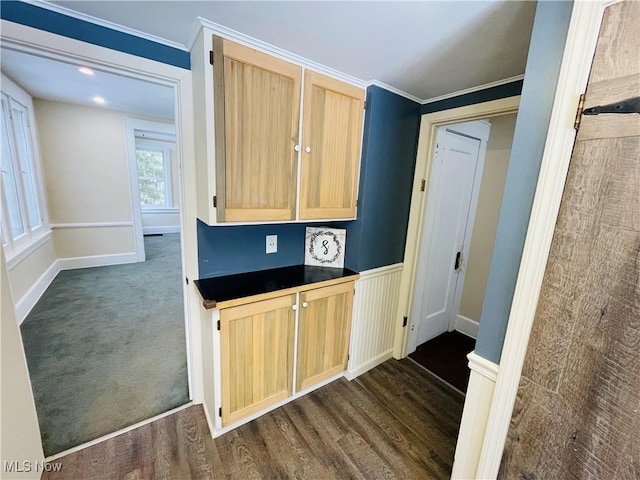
294, 307
297, 148
305, 304
307, 149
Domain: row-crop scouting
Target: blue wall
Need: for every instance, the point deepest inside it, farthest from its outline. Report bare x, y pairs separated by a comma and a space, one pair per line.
376, 238
510, 89
543, 67
54, 22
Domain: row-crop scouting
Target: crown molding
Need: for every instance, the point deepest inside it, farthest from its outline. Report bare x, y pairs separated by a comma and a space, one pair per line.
105, 23
497, 83
395, 90
252, 42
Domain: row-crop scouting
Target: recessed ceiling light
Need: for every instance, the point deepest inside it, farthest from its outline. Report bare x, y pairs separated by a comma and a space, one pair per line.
86, 71
99, 100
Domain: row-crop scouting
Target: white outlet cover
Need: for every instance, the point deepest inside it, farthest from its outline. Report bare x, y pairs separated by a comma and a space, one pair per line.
272, 244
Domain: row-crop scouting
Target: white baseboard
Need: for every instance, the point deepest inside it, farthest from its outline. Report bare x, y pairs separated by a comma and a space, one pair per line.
26, 303
467, 326
97, 260
157, 230
212, 427
29, 299
475, 416
217, 432
374, 362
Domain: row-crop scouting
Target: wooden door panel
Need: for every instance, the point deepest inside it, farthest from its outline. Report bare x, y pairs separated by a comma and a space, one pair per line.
260, 108
323, 333
257, 356
576, 413
332, 130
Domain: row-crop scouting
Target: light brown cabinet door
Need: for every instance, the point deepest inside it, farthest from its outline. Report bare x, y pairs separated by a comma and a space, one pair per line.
256, 350
256, 110
331, 142
324, 327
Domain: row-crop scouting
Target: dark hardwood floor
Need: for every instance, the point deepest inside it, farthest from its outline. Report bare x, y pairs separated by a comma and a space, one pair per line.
395, 421
446, 357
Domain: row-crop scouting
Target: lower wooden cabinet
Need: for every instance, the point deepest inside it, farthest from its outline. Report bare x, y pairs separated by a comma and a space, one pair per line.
257, 342
324, 325
256, 347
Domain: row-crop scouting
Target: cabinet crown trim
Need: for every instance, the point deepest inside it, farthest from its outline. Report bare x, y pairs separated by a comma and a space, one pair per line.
252, 42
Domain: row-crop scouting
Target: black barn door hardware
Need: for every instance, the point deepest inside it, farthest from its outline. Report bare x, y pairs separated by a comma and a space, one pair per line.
630, 105
457, 264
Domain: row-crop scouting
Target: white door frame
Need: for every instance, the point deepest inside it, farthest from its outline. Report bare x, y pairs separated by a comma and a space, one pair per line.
131, 125
39, 42
480, 130
424, 160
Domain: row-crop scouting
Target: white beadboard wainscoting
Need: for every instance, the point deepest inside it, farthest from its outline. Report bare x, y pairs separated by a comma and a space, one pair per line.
374, 309
475, 416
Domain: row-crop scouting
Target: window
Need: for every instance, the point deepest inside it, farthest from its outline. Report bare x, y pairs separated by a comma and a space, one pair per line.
153, 178
21, 217
153, 159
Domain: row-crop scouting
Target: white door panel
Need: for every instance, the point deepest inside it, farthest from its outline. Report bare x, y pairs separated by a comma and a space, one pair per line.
453, 180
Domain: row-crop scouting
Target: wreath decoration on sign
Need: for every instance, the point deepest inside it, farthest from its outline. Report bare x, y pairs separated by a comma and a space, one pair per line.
312, 240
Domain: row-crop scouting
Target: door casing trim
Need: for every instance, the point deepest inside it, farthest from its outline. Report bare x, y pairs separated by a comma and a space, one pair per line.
424, 160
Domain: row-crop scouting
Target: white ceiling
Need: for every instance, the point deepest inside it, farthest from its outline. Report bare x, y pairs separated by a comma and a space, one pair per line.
424, 48
59, 81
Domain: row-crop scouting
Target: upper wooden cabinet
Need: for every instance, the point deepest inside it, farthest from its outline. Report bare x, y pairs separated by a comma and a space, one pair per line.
257, 105
332, 137
264, 154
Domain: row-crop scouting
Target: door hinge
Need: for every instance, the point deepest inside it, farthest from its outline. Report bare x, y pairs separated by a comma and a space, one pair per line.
218, 325
423, 185
404, 321
211, 57
630, 105
365, 105
215, 201
578, 119
456, 265
186, 279
348, 357
220, 412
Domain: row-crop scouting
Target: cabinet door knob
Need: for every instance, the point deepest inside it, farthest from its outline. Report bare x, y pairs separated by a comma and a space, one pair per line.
307, 149
305, 304
294, 307
296, 148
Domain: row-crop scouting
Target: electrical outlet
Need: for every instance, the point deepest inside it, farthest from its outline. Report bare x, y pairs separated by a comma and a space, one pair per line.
272, 243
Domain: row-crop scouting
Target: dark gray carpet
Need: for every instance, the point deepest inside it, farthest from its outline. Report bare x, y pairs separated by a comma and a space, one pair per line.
106, 347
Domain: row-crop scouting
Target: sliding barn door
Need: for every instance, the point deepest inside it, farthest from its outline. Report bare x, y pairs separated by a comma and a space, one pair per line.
577, 413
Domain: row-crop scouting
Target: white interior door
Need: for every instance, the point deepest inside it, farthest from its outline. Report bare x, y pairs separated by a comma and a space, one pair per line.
457, 168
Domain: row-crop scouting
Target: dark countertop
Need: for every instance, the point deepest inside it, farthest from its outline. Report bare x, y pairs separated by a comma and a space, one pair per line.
230, 287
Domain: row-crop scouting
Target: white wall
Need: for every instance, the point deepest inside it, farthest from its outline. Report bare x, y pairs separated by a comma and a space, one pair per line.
27, 271
20, 433
84, 158
160, 222
487, 213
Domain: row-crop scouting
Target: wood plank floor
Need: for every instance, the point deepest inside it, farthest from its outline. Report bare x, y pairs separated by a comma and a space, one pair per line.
395, 421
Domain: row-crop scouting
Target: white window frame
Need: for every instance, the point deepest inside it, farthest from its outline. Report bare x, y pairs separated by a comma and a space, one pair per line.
165, 147
19, 247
